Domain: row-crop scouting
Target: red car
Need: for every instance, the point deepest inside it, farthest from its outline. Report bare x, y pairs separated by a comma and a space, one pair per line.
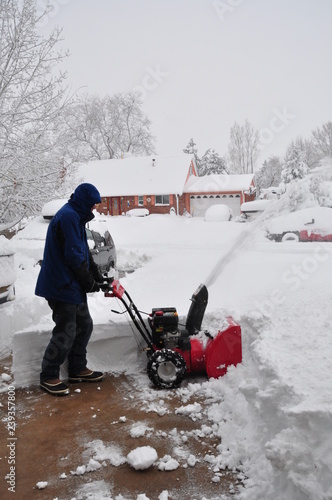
309, 224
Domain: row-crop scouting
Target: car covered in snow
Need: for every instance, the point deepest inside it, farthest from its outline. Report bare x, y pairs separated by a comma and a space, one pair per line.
309, 224
32, 237
218, 213
252, 209
7, 271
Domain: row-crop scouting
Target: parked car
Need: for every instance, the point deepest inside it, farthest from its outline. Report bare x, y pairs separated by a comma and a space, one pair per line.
7, 271
100, 240
101, 245
31, 239
309, 224
250, 210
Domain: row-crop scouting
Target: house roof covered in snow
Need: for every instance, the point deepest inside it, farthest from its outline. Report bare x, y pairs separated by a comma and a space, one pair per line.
137, 175
219, 183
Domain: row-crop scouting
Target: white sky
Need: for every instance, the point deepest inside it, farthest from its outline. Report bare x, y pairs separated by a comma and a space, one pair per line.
204, 64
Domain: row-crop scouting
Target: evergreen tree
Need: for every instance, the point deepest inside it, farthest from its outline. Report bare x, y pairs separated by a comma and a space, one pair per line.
212, 163
294, 166
192, 150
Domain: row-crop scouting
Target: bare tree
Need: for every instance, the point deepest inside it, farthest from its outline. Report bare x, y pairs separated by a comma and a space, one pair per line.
269, 174
322, 141
106, 127
32, 98
243, 148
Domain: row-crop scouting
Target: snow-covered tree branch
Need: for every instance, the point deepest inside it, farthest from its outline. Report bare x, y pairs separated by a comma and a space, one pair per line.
32, 99
243, 148
106, 127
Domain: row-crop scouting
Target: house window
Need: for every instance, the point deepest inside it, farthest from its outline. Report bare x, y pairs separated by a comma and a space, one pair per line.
140, 201
162, 199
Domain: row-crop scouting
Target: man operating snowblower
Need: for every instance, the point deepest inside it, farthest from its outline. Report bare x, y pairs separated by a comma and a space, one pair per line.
67, 274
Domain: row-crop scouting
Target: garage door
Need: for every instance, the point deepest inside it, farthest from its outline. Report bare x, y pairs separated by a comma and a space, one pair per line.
200, 203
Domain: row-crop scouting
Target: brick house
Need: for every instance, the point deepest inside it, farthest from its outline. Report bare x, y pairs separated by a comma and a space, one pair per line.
162, 183
155, 183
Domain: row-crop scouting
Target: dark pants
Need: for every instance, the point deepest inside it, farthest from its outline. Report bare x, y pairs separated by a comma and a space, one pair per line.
71, 334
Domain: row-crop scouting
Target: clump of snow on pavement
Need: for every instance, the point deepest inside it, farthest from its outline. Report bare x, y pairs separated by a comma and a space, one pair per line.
41, 485
168, 463
142, 457
273, 412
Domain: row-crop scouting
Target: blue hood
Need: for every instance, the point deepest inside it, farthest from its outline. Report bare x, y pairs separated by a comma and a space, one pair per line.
84, 197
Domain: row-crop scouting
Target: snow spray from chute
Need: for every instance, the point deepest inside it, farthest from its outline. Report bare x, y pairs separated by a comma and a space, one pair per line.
287, 203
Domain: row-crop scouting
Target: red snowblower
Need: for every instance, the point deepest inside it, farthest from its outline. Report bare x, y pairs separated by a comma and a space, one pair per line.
174, 350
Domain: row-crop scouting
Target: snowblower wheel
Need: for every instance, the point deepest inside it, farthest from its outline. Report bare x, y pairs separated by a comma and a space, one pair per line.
166, 368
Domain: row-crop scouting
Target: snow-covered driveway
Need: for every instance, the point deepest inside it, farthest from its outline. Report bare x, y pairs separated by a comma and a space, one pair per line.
273, 412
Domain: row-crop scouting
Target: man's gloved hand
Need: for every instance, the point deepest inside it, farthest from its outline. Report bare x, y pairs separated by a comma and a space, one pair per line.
108, 279
95, 287
106, 286
94, 270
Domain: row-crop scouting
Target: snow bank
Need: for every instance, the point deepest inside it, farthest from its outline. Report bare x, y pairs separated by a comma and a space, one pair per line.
7, 272
109, 346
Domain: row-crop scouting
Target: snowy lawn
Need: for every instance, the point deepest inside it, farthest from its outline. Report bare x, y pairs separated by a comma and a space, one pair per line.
273, 413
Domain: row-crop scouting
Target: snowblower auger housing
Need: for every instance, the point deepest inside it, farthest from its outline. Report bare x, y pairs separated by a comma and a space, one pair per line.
173, 350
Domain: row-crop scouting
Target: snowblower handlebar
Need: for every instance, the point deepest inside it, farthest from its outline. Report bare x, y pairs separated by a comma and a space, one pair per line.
113, 288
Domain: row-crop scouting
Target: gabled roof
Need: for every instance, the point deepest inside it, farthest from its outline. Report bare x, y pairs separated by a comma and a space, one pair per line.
138, 175
222, 183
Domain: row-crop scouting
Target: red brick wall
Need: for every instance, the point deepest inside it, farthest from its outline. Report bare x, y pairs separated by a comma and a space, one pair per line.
125, 203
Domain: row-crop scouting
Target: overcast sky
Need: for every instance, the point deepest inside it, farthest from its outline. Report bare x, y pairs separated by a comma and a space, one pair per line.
203, 64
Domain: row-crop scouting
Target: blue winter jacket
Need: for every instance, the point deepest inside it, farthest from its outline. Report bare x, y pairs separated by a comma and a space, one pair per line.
66, 248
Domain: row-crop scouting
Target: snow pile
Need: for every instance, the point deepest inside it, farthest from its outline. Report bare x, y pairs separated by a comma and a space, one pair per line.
7, 272
41, 485
139, 430
142, 457
168, 463
217, 213
111, 453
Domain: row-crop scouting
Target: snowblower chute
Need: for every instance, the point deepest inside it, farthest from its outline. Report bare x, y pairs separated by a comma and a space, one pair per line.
174, 350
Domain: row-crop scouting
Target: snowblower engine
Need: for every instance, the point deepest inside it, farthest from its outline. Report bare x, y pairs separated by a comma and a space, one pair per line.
164, 324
